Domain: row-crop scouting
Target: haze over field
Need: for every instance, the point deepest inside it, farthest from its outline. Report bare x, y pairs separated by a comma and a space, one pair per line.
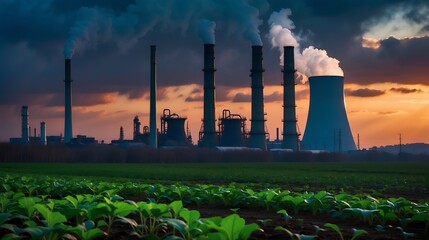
381, 47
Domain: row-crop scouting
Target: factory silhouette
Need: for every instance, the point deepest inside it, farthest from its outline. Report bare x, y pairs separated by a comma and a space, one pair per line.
327, 127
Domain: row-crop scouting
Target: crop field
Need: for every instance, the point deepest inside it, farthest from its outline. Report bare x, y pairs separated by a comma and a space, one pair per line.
215, 201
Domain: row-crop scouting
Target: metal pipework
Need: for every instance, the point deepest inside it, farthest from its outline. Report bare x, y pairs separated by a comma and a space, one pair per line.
153, 136
257, 130
290, 133
25, 127
68, 132
209, 120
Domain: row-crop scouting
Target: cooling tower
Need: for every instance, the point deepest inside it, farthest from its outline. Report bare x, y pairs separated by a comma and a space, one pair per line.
257, 128
68, 132
153, 129
209, 121
290, 133
43, 133
327, 125
25, 138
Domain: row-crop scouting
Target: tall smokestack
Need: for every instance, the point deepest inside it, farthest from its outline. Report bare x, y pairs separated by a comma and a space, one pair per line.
290, 134
68, 132
209, 121
257, 129
327, 117
25, 128
153, 141
43, 133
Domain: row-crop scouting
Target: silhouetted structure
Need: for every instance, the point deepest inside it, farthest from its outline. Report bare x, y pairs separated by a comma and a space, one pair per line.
290, 133
257, 138
232, 129
327, 125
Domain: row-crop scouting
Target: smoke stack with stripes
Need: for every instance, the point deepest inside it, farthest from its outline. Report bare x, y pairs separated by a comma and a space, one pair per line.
290, 134
257, 129
209, 122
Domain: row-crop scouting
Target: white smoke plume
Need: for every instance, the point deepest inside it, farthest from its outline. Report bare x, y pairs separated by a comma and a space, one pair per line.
311, 61
206, 31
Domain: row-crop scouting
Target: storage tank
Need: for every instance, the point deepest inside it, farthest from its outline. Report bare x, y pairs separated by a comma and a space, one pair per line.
173, 130
232, 129
327, 125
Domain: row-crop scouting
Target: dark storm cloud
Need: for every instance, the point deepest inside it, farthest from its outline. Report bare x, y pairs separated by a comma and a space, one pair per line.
404, 90
364, 92
399, 61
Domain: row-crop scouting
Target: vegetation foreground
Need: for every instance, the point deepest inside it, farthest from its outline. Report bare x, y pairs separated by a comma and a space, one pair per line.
176, 201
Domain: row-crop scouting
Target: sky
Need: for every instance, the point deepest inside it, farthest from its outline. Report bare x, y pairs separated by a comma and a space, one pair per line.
381, 47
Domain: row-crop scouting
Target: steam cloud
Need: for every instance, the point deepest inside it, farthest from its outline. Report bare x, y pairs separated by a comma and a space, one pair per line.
206, 31
85, 30
126, 28
311, 61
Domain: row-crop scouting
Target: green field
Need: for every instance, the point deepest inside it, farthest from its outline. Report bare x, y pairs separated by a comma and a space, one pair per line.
369, 200
383, 177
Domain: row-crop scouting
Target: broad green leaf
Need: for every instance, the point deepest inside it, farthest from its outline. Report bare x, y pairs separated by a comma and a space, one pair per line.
357, 233
247, 230
52, 218
177, 224
177, 206
190, 216
421, 217
4, 217
335, 228
232, 225
123, 209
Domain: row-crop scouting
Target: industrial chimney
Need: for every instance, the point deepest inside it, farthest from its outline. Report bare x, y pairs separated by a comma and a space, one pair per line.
68, 133
43, 133
290, 134
257, 128
25, 128
327, 125
209, 121
153, 137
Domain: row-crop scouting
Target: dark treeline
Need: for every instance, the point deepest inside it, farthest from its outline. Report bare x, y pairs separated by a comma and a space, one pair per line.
113, 154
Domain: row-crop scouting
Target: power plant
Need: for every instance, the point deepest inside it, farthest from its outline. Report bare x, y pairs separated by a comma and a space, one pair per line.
327, 125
